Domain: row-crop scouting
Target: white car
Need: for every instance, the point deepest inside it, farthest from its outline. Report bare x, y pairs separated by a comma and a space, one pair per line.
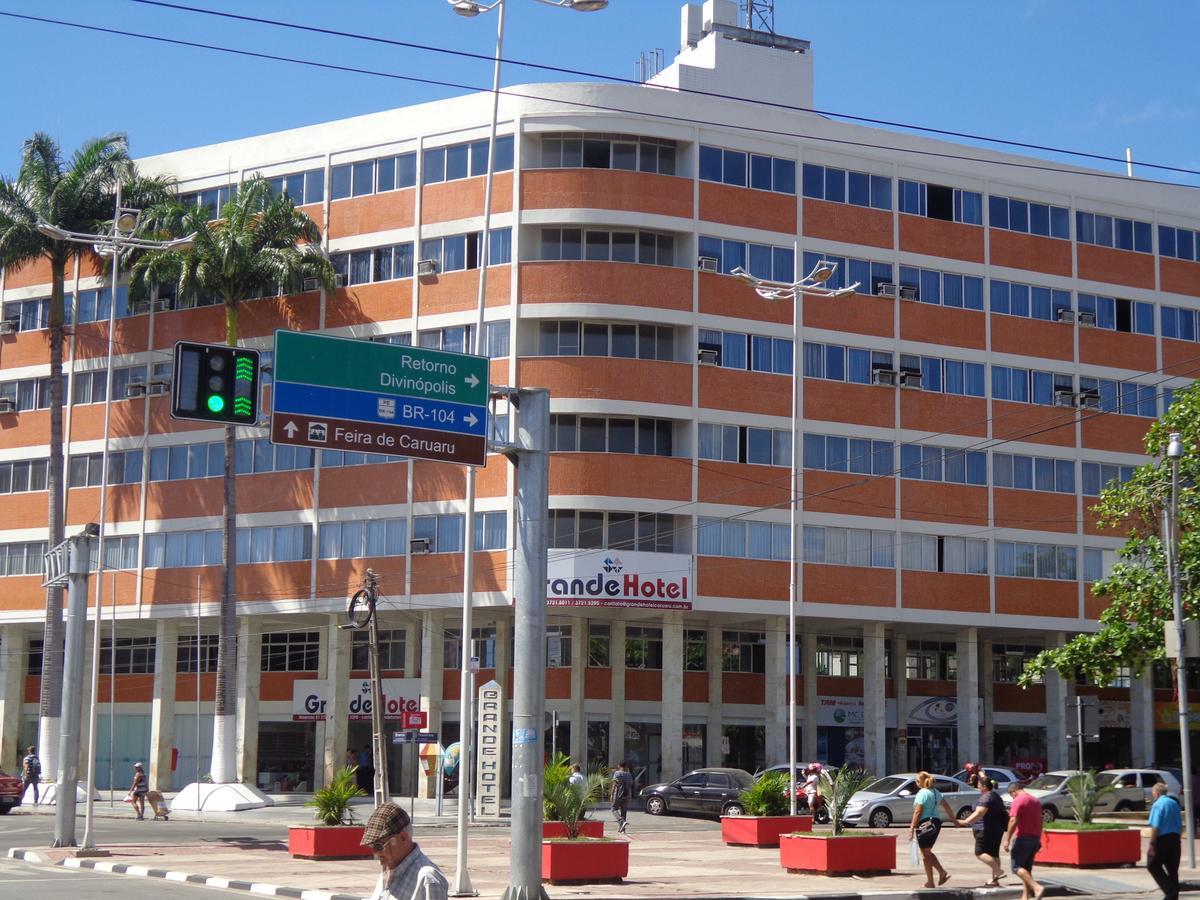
1002, 775
1134, 788
890, 799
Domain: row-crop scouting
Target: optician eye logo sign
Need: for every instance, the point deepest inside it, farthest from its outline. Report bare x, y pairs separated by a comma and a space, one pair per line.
934, 711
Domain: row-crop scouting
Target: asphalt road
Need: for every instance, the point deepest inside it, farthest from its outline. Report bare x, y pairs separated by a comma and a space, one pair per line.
19, 879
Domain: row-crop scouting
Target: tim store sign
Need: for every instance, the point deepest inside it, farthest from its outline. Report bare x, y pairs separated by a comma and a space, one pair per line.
619, 578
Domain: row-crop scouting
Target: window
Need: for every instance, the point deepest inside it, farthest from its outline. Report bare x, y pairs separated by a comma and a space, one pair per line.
1097, 564
444, 533
1020, 560
483, 646
212, 200
741, 539
838, 656
936, 201
24, 475
840, 186
934, 553
605, 151
849, 547
841, 454
90, 306
558, 646
1130, 316
28, 393
176, 549
1097, 476
274, 543
1033, 473
597, 434
557, 338
865, 273
949, 376
740, 169
459, 252
1111, 231
465, 160
377, 264
301, 187
950, 464
1026, 300
643, 647
131, 656
599, 641
358, 539
391, 650
743, 651
944, 288
24, 558
835, 362
1029, 218
695, 650
188, 661
1010, 660
30, 315
760, 260
587, 529
1025, 386
1178, 323
652, 248
120, 552
1125, 397
746, 444
932, 660
291, 651
1178, 243
759, 353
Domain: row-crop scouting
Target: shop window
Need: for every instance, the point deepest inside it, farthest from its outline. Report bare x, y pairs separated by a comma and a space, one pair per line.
744, 651
599, 642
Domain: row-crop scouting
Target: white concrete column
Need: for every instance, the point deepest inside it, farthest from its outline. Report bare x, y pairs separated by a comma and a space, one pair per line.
331, 751
13, 647
162, 715
412, 650
967, 651
249, 671
987, 743
775, 696
900, 681
616, 727
808, 666
1141, 712
672, 696
432, 636
715, 697
1056, 713
874, 700
578, 712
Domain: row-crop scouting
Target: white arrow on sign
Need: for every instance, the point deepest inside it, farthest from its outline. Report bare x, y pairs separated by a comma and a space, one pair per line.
472, 380
470, 419
291, 428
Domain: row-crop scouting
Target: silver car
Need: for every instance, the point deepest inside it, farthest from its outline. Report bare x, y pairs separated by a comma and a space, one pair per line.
890, 799
1133, 788
1002, 775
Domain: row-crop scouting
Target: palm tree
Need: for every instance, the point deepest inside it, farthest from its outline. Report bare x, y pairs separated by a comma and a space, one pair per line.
260, 246
75, 195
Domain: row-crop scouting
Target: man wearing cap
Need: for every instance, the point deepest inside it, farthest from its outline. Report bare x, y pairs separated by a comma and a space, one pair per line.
408, 874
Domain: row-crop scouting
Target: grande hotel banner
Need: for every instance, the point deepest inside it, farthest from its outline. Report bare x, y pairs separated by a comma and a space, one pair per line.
619, 578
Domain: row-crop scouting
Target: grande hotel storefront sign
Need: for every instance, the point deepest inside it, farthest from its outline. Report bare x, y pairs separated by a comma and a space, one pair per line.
627, 579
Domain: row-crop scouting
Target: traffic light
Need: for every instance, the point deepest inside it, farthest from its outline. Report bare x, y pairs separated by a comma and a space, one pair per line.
215, 383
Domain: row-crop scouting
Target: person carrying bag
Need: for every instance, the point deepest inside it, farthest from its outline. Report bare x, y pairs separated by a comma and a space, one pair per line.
927, 824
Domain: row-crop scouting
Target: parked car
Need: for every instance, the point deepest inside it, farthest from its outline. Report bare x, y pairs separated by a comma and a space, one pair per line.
704, 792
10, 792
1134, 788
890, 799
1051, 790
1002, 775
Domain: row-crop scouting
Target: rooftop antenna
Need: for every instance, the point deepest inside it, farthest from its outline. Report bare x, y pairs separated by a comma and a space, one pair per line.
759, 15
648, 64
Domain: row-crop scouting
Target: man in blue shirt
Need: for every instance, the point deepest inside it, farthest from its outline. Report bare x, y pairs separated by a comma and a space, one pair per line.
1162, 857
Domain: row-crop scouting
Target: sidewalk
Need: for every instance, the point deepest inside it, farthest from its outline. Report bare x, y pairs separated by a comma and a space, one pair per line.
665, 864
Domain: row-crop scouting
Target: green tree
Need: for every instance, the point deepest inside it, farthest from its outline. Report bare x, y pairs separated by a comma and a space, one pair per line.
74, 195
260, 246
1138, 588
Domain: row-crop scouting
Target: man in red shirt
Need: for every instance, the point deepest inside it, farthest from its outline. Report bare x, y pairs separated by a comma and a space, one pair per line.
1025, 820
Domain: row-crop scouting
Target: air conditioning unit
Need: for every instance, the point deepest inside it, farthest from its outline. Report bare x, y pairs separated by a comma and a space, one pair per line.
910, 380
310, 285
161, 305
418, 546
908, 293
427, 267
1064, 398
884, 376
707, 356
136, 389
157, 388
1066, 316
7, 405
1087, 318
1089, 399
10, 326
885, 289
708, 264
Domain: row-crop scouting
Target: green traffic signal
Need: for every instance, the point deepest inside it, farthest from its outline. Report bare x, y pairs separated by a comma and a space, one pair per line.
216, 403
215, 383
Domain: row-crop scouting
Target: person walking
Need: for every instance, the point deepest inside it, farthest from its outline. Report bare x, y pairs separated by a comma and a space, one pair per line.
31, 773
351, 758
1024, 836
578, 780
622, 791
406, 873
926, 825
138, 790
1162, 856
988, 820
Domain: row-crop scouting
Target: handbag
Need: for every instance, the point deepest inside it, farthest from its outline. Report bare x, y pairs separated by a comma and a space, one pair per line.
926, 827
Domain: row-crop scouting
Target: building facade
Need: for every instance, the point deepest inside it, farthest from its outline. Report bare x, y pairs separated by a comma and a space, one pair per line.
1017, 326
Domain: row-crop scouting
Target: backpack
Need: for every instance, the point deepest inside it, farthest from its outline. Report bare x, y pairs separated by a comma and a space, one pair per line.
33, 766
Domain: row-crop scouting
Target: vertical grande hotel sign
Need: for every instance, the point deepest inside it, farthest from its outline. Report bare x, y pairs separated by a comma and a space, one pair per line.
628, 579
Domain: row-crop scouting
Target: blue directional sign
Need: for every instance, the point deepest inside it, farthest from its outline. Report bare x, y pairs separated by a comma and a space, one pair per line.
363, 406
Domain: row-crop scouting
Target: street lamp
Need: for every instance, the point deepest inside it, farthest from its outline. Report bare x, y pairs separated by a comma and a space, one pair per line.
524, 846
812, 285
118, 239
1171, 515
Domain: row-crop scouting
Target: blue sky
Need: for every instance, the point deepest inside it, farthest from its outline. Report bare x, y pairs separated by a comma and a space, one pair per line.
1094, 76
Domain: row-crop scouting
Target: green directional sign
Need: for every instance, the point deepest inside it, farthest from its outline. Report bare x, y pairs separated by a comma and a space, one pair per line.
318, 359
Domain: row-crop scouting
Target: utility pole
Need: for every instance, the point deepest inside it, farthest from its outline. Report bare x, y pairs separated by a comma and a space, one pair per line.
361, 612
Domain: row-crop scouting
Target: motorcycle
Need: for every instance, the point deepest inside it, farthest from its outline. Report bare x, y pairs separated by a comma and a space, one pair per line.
820, 812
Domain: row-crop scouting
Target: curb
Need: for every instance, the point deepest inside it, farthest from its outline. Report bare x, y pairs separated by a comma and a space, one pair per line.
214, 881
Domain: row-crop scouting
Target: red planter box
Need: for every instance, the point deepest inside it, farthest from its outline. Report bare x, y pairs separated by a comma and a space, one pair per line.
584, 860
838, 855
591, 828
1091, 848
761, 831
327, 842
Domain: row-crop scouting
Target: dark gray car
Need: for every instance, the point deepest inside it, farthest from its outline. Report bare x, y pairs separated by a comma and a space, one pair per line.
704, 792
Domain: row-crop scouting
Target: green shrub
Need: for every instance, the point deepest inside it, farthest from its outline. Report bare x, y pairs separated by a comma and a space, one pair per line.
838, 789
563, 801
1085, 794
767, 796
332, 802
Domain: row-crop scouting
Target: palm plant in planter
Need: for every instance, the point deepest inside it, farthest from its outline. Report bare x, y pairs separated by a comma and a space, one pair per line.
839, 853
564, 803
570, 853
336, 837
766, 816
1084, 842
